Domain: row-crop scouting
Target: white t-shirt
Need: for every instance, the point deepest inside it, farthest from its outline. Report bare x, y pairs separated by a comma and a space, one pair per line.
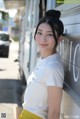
48, 72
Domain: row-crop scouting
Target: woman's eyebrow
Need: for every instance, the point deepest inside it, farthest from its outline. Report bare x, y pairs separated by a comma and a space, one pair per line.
50, 31
39, 30
46, 31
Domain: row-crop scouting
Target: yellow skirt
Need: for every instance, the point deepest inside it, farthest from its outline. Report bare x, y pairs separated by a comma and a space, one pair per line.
28, 115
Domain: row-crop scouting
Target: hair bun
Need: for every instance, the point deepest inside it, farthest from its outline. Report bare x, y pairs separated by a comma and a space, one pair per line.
53, 14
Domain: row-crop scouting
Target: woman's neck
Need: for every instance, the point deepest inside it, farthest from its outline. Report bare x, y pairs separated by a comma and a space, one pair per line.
46, 54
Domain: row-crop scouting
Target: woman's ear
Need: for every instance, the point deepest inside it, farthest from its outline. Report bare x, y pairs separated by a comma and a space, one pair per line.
60, 38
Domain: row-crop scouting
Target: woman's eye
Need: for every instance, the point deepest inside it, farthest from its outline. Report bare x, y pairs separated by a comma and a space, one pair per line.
50, 34
39, 33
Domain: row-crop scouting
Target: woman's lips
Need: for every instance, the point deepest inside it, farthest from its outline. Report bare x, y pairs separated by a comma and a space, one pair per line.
43, 45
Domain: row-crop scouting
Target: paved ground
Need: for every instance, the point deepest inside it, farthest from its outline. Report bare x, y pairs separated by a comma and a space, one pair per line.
10, 85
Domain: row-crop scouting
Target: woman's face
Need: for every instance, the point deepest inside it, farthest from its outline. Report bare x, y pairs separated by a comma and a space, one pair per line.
45, 39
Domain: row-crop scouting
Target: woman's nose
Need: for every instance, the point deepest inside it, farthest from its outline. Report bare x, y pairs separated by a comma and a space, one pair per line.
43, 38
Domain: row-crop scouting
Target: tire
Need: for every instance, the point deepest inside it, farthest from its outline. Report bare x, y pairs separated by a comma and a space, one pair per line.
6, 54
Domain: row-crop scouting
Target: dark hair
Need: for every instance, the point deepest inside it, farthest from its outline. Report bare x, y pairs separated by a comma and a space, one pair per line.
52, 18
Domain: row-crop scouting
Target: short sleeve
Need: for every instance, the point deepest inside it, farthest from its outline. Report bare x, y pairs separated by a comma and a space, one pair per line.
54, 76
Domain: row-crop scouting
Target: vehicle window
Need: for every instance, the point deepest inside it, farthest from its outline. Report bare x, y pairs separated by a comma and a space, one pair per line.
4, 37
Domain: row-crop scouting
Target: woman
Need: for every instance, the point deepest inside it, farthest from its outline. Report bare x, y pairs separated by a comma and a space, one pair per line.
43, 95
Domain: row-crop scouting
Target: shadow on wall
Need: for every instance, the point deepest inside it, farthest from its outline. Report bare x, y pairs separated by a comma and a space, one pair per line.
11, 91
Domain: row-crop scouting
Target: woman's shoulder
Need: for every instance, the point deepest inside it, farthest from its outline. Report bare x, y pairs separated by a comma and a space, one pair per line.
54, 65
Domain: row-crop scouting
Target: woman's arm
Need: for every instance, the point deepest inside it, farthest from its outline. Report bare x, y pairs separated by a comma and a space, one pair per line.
54, 102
